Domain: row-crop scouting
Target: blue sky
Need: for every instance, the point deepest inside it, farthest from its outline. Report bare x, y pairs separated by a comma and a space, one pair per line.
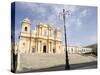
81, 24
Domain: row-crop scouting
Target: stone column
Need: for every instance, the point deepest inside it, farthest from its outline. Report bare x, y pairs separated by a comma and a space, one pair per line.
38, 46
49, 48
41, 31
50, 33
42, 47
38, 31
56, 47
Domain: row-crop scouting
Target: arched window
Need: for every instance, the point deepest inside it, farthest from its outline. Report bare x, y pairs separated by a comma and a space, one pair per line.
25, 28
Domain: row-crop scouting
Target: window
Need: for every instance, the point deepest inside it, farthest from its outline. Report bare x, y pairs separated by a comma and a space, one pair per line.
23, 44
72, 49
45, 33
25, 28
82, 50
33, 50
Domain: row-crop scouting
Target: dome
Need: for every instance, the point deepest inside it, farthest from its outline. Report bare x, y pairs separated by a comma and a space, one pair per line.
58, 28
26, 20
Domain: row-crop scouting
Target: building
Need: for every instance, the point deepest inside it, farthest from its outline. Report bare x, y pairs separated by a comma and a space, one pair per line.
42, 39
78, 49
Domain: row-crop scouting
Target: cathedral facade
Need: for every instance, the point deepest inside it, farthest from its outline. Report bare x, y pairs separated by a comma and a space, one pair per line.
42, 39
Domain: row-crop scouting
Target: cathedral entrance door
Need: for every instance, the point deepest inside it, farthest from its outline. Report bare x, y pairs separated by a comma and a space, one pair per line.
44, 49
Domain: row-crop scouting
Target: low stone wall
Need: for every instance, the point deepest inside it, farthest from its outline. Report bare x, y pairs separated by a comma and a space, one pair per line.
39, 61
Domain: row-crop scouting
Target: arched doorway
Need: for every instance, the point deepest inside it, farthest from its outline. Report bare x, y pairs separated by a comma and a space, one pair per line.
44, 49
54, 51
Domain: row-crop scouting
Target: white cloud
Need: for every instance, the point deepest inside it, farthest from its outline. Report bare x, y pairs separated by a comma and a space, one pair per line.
51, 18
84, 13
59, 9
79, 23
54, 17
79, 20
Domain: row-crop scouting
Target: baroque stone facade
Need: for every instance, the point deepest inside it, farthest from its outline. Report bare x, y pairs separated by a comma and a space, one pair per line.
42, 39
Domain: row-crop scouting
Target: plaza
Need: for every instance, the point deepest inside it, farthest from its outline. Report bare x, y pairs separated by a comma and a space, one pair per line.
41, 49
43, 39
76, 62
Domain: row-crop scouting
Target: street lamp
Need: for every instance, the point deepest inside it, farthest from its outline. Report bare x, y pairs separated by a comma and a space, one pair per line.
64, 13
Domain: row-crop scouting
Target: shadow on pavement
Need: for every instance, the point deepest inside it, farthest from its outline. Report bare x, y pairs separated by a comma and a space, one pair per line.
87, 65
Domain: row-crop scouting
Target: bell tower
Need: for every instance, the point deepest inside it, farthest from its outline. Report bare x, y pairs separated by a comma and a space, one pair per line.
24, 43
25, 25
57, 33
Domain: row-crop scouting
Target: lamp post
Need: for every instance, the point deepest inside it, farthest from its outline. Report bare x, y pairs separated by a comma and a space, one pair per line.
64, 13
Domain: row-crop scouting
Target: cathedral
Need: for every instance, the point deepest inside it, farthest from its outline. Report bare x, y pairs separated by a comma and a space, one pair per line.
42, 39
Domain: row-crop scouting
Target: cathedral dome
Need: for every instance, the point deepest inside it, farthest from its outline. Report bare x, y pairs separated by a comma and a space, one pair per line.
58, 28
26, 20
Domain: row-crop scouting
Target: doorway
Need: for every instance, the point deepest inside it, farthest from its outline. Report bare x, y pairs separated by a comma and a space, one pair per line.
44, 49
54, 51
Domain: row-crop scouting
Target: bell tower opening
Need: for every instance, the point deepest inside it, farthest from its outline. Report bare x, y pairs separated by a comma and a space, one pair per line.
25, 28
26, 25
44, 49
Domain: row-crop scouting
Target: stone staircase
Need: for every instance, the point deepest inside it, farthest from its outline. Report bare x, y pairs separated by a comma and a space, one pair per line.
39, 61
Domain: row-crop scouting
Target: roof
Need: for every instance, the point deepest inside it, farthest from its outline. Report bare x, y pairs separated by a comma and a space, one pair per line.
41, 24
26, 20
